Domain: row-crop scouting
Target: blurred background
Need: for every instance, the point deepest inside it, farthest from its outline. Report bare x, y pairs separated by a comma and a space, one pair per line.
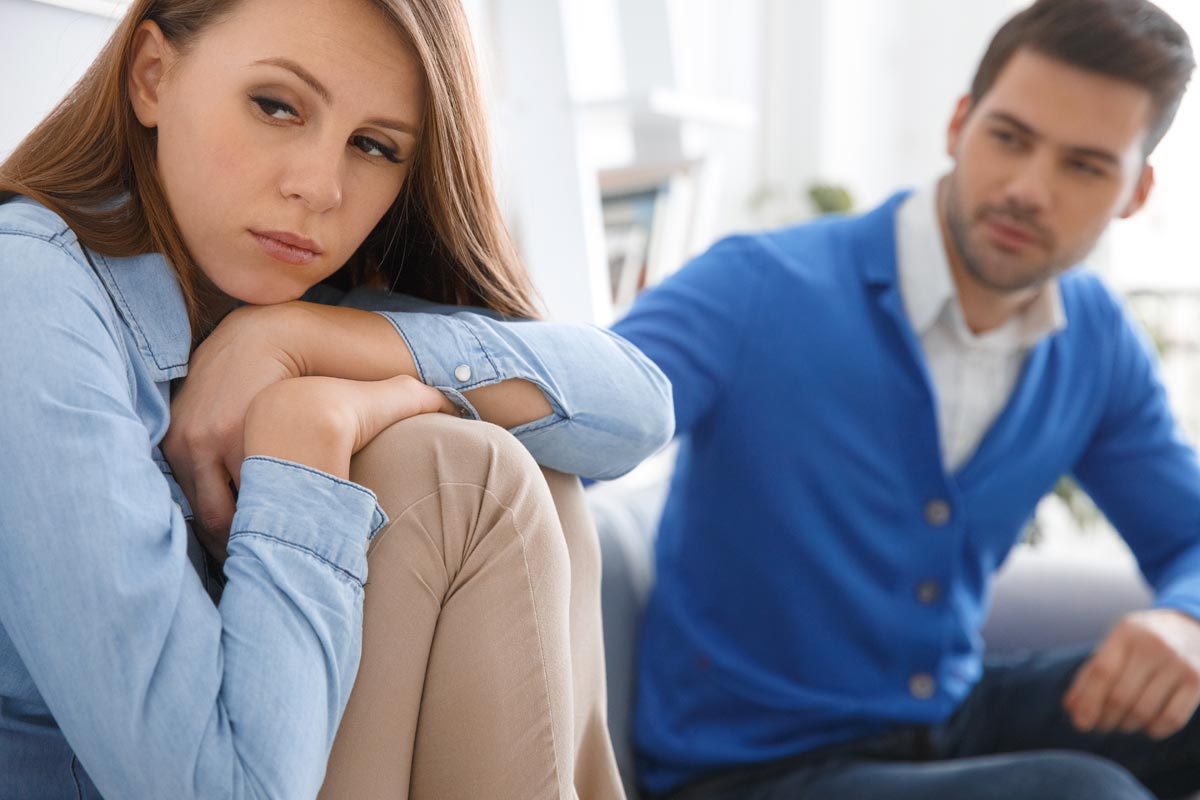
631, 134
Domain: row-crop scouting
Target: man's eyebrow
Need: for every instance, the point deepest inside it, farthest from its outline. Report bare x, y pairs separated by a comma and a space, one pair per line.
1087, 152
311, 81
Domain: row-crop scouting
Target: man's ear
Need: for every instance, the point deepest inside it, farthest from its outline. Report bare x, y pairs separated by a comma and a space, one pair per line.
957, 122
150, 57
1141, 192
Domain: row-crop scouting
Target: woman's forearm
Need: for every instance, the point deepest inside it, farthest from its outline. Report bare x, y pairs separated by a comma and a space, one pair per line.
580, 398
339, 342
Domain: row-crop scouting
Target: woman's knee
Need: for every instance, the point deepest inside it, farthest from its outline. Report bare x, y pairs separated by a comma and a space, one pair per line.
461, 484
415, 456
579, 529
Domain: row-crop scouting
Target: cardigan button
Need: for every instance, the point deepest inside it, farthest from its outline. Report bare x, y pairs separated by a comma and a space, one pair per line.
937, 513
922, 686
928, 592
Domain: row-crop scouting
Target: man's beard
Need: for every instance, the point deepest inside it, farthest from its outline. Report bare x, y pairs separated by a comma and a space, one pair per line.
977, 265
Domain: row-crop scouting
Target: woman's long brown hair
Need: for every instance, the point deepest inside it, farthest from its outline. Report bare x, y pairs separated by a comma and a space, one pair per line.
94, 164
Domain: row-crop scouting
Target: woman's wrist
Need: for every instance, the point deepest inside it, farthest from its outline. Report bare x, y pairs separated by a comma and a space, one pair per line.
294, 420
335, 342
265, 329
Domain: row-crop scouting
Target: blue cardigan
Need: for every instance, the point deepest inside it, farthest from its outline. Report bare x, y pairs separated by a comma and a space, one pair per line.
820, 575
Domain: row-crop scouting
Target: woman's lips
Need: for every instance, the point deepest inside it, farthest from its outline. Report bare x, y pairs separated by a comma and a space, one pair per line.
286, 247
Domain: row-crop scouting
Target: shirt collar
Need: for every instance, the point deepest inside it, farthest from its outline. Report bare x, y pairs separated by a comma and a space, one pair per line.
928, 289
147, 295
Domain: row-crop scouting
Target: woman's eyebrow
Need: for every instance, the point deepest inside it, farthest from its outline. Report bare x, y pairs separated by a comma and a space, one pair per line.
301, 73
318, 87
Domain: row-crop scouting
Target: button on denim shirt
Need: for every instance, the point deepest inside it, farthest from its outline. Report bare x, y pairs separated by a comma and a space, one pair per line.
119, 675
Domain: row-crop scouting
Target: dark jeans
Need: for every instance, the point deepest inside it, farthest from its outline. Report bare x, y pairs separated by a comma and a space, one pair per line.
1010, 739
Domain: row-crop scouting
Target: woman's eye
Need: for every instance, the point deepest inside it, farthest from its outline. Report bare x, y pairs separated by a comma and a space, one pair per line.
274, 109
371, 147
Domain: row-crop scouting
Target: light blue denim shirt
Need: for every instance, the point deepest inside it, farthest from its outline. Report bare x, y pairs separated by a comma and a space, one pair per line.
119, 675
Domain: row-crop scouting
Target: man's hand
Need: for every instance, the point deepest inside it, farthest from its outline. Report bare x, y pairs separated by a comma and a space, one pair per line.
1144, 677
203, 445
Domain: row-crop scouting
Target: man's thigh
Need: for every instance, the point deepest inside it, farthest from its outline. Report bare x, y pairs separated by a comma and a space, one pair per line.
1010, 738
1017, 707
1049, 775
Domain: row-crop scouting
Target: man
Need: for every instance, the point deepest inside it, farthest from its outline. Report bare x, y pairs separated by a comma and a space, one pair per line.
871, 408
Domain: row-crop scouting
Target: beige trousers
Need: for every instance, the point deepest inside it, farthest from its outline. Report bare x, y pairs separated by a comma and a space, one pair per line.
482, 670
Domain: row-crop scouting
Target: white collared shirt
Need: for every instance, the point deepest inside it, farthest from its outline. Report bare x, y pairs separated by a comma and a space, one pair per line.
973, 375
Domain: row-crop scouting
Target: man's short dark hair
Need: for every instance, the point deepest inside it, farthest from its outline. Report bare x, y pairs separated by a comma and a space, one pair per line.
1131, 40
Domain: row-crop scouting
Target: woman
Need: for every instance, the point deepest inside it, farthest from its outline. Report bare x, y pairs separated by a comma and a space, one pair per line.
246, 153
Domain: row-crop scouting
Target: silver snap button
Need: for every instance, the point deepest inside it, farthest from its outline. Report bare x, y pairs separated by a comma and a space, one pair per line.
922, 686
937, 513
462, 373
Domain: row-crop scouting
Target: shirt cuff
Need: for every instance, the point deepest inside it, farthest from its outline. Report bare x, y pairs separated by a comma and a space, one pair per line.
448, 355
300, 506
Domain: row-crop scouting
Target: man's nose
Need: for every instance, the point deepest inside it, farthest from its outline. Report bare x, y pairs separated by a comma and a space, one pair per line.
1031, 187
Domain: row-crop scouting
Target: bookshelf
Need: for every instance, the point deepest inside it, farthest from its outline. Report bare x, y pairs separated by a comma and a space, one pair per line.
605, 194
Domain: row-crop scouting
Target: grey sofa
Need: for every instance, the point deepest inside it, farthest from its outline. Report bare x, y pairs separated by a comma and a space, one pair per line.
1042, 597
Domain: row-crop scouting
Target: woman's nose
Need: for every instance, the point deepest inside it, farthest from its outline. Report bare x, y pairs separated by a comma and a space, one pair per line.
315, 179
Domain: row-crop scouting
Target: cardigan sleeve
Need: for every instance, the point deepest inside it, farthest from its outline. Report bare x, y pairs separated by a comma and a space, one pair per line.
1142, 472
693, 324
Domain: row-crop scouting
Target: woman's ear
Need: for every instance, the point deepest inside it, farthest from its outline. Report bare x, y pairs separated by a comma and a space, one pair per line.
151, 56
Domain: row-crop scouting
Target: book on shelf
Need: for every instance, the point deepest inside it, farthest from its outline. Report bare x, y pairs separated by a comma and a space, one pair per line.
648, 212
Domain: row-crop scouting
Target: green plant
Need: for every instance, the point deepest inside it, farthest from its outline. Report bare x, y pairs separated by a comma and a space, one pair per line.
830, 198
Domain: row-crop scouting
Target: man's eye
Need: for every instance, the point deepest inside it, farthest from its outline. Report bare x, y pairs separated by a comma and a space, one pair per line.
373, 148
274, 109
1087, 168
1006, 138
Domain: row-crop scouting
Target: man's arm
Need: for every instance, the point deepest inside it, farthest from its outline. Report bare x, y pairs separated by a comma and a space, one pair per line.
1145, 477
693, 324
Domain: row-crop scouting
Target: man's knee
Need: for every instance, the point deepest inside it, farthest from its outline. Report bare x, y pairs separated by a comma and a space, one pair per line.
1068, 775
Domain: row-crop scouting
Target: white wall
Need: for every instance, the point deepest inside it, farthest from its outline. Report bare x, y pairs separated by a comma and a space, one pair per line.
1157, 249
864, 88
44, 49
856, 92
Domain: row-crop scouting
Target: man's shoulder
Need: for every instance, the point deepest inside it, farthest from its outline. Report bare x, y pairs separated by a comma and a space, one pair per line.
1090, 304
820, 250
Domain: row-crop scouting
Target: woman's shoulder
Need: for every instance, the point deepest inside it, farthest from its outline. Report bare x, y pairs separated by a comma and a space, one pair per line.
45, 276
20, 216
39, 252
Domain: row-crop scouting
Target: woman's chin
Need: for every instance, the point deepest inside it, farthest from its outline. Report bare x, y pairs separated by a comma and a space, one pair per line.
263, 295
